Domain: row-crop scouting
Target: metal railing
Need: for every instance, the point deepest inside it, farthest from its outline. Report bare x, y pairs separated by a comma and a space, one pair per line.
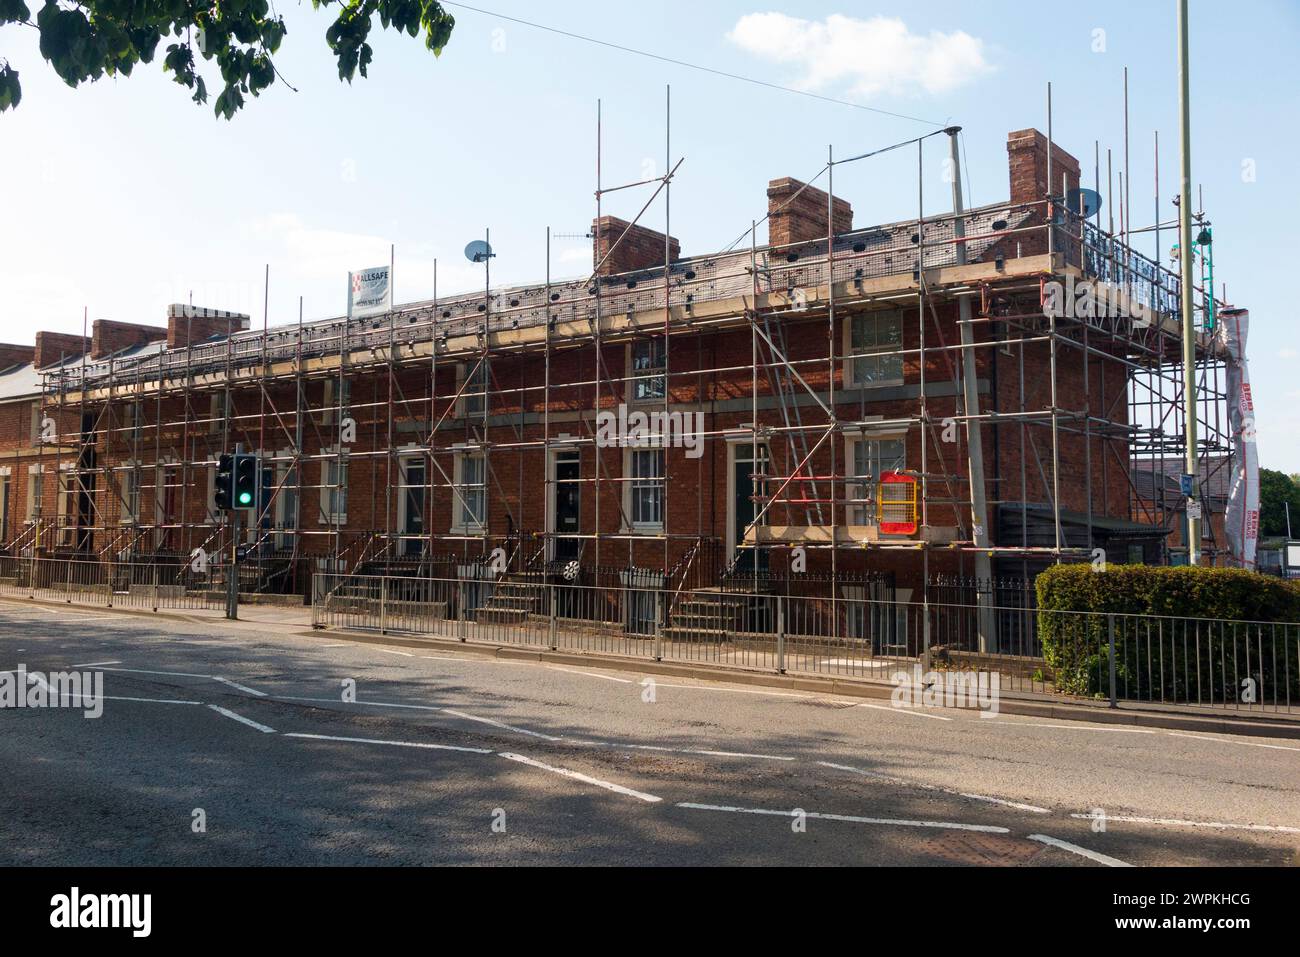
1239, 665
151, 586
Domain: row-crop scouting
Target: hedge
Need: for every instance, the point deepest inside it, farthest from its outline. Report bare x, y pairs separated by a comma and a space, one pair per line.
1200, 648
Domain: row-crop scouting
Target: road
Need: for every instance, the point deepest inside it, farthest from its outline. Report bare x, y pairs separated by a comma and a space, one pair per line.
235, 746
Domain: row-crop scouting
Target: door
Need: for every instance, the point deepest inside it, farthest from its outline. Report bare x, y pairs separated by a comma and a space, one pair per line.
412, 518
567, 505
745, 465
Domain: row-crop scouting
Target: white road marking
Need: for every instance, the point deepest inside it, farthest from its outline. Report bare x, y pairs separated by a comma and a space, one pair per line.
227, 681
395, 744
390, 651
912, 711
371, 704
499, 724
108, 697
592, 674
92, 664
577, 776
186, 674
241, 719
1175, 822
850, 818
1244, 744
1081, 851
1033, 808
771, 694
1073, 727
615, 745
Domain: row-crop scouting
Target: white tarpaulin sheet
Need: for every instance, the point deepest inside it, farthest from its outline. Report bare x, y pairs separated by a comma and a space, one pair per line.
370, 291
1242, 518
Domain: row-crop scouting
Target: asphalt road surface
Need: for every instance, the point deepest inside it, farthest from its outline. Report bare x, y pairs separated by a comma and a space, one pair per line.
235, 745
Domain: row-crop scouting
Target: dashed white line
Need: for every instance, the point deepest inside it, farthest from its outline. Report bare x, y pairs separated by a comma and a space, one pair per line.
94, 664
770, 694
1244, 744
850, 818
1072, 727
592, 674
1176, 822
586, 779
911, 711
1081, 851
390, 651
236, 685
1033, 808
499, 724
395, 744
241, 719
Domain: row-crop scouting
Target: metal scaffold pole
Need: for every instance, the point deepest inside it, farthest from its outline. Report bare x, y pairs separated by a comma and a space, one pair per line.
1186, 289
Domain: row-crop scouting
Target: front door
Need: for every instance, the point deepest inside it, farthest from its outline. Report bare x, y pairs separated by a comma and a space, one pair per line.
745, 465
412, 492
567, 505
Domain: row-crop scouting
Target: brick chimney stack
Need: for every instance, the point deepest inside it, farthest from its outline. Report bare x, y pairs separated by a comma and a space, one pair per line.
188, 325
53, 346
641, 248
796, 212
1027, 162
109, 337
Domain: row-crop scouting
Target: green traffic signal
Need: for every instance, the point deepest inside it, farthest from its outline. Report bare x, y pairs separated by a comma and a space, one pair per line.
245, 498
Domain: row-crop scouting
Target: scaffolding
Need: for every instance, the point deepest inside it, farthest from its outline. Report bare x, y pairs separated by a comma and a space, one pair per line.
445, 397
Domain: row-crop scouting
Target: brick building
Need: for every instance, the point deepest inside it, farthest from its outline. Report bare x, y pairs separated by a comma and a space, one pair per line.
827, 371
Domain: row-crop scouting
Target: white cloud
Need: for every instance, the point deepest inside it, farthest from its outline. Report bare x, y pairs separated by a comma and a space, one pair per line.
868, 57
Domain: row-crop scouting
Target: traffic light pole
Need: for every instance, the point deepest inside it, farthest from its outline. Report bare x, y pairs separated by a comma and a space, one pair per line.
232, 576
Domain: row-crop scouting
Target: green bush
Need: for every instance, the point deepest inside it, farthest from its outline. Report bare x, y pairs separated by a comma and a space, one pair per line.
1181, 634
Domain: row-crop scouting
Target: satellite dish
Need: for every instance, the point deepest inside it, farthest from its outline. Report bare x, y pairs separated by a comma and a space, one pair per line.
1085, 202
478, 251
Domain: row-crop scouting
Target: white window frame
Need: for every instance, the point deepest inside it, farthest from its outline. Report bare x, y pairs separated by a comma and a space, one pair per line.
629, 487
853, 355
460, 501
67, 490
472, 403
858, 483
659, 372
127, 480
6, 501
334, 483
332, 391
35, 493
288, 504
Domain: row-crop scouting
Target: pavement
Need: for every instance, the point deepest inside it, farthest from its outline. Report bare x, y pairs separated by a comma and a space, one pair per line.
263, 743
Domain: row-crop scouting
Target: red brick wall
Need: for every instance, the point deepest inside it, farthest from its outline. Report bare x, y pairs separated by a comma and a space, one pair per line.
189, 324
13, 355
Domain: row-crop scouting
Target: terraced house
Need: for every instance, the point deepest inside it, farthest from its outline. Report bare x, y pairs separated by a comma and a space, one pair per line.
877, 411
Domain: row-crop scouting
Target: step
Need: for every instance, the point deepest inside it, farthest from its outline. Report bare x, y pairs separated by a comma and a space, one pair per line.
501, 616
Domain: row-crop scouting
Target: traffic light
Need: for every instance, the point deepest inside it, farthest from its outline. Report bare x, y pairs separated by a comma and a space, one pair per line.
245, 481
225, 486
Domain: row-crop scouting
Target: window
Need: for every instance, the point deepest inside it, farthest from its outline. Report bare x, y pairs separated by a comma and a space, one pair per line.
334, 494
217, 410
868, 460
35, 479
473, 400
133, 421
469, 503
67, 505
337, 399
645, 497
873, 349
410, 505
6, 490
648, 357
286, 503
128, 482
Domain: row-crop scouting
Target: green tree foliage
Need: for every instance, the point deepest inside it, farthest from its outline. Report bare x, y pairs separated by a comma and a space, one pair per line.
84, 40
1276, 489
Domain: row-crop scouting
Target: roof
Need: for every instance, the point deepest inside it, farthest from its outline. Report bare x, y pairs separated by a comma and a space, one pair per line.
1149, 476
861, 253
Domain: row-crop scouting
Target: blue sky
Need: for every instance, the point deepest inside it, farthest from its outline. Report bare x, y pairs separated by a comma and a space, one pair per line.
121, 196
